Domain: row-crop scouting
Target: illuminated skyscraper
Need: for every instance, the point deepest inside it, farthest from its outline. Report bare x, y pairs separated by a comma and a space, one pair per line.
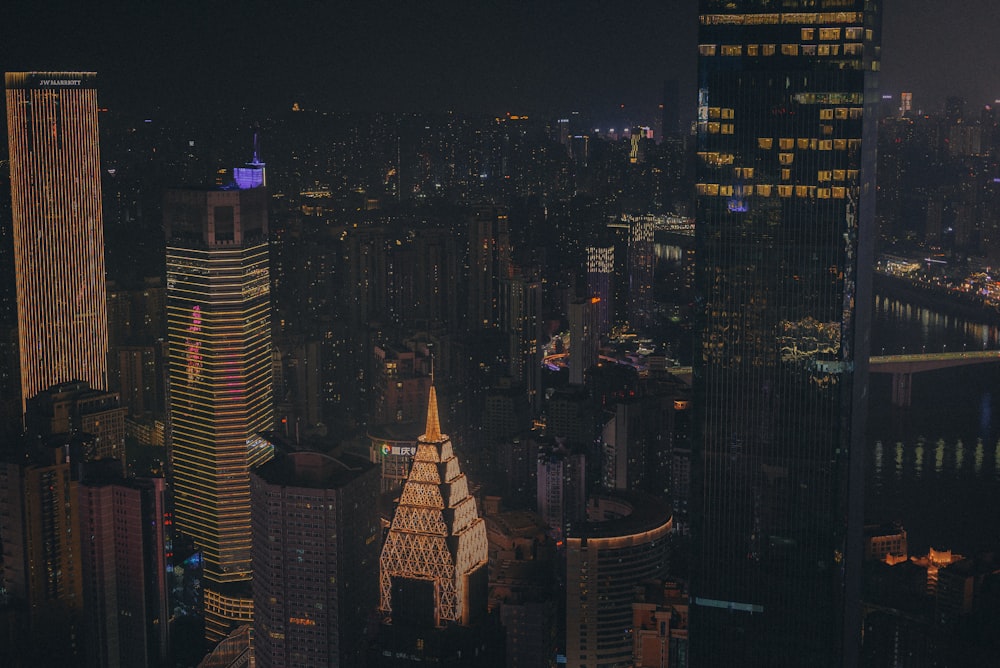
433, 565
219, 322
785, 218
55, 177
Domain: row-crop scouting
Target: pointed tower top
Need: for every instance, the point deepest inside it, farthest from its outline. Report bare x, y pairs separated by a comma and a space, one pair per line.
432, 433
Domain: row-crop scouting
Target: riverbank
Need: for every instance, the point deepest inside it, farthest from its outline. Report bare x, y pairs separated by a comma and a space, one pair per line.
932, 297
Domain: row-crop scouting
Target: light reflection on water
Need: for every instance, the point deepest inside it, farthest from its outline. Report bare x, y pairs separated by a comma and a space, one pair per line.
935, 466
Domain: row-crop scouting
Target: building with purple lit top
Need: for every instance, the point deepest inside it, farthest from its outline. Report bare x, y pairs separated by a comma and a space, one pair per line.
219, 323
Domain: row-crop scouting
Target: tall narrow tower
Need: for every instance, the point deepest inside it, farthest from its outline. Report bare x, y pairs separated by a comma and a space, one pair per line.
55, 176
433, 566
784, 233
219, 319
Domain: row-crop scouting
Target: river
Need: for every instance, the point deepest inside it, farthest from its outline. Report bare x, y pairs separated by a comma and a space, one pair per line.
935, 466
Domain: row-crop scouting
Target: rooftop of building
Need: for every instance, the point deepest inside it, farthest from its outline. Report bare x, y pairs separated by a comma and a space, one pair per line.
313, 470
622, 514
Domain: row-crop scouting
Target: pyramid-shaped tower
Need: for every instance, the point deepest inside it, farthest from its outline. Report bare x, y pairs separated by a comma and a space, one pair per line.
436, 548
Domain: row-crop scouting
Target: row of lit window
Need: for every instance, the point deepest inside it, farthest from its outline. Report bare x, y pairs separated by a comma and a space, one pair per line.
801, 18
805, 144
767, 190
852, 49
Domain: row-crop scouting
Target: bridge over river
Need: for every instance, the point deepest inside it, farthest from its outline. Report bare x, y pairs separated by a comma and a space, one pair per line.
902, 368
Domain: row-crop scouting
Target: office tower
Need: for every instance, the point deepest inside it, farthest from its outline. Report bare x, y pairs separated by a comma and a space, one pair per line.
76, 408
561, 489
600, 279
55, 179
584, 338
316, 534
219, 321
489, 261
521, 324
42, 571
401, 379
641, 262
622, 545
785, 216
124, 557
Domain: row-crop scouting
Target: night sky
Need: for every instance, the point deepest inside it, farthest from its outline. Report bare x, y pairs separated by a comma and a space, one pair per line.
477, 55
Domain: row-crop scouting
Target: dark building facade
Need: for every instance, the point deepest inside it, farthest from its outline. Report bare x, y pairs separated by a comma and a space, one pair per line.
785, 213
123, 554
316, 544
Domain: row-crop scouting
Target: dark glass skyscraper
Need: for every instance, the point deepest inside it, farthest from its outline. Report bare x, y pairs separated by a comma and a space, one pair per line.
784, 229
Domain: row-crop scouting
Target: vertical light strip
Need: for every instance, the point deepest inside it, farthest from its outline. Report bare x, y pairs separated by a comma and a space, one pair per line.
58, 228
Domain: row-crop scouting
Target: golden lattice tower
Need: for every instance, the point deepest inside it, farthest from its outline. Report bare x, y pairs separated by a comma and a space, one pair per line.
437, 537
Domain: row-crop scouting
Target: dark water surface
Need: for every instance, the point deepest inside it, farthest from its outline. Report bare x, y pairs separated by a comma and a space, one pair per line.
935, 466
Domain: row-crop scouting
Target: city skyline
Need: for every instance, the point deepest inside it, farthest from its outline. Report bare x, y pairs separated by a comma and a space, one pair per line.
483, 57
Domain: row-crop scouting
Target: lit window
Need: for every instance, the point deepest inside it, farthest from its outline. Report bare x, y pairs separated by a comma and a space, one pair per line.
786, 158
839, 193
856, 112
841, 114
852, 175
753, 49
768, 49
838, 175
706, 49
732, 50
841, 144
789, 49
727, 128
823, 193
826, 145
808, 34
714, 112
784, 191
803, 143
829, 33
727, 112
853, 33
786, 143
824, 175
809, 50
802, 191
764, 190
786, 173
826, 114
725, 191
824, 50
713, 128
765, 143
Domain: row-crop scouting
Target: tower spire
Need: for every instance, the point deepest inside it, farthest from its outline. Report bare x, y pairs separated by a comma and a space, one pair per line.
432, 432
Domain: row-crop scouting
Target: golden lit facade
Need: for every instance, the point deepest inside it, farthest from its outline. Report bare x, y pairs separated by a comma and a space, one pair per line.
218, 313
785, 229
55, 176
435, 554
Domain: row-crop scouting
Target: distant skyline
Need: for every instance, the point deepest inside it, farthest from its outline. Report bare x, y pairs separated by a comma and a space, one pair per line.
478, 55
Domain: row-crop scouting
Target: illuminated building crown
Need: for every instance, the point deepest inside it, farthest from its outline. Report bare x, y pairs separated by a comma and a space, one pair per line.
436, 536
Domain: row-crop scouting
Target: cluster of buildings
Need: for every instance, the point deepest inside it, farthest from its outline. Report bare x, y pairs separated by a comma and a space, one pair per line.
586, 506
